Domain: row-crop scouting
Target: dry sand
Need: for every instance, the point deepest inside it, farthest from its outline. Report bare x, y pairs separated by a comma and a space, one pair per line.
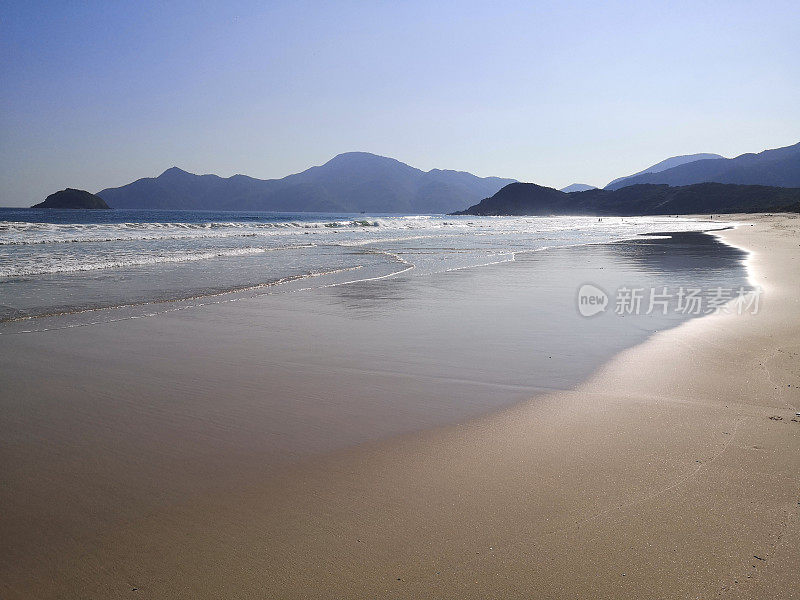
663, 476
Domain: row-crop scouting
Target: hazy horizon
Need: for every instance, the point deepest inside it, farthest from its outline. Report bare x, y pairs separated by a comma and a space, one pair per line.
98, 96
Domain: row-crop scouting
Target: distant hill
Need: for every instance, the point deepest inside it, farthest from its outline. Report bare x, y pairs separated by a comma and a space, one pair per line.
668, 163
578, 187
351, 182
642, 199
72, 198
779, 167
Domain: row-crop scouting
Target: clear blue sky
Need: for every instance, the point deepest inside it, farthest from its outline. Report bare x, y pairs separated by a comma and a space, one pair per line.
99, 94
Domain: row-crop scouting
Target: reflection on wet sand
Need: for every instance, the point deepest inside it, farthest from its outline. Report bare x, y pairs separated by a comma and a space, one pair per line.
236, 392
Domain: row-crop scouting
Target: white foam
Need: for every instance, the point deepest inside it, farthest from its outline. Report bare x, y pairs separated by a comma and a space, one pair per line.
60, 264
31, 249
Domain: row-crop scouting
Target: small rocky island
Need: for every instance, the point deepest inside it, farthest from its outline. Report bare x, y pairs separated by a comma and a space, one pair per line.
71, 198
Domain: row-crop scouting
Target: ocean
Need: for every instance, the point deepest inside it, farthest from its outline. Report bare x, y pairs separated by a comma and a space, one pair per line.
74, 261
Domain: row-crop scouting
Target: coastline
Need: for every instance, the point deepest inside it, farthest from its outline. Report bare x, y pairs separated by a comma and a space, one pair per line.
675, 484
561, 496
671, 485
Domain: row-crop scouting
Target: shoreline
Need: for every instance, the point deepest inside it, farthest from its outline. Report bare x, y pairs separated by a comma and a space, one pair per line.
776, 551
215, 294
532, 499
705, 502
466, 532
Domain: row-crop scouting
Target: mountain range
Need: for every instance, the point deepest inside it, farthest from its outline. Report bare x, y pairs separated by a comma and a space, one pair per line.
640, 199
697, 183
363, 182
778, 167
669, 163
350, 182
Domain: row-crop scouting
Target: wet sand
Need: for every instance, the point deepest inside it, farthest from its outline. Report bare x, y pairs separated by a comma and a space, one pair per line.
661, 476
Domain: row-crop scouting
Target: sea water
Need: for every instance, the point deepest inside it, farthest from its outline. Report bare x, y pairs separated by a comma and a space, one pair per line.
73, 261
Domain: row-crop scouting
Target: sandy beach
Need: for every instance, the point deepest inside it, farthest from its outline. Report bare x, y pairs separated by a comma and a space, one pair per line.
673, 471
399, 300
